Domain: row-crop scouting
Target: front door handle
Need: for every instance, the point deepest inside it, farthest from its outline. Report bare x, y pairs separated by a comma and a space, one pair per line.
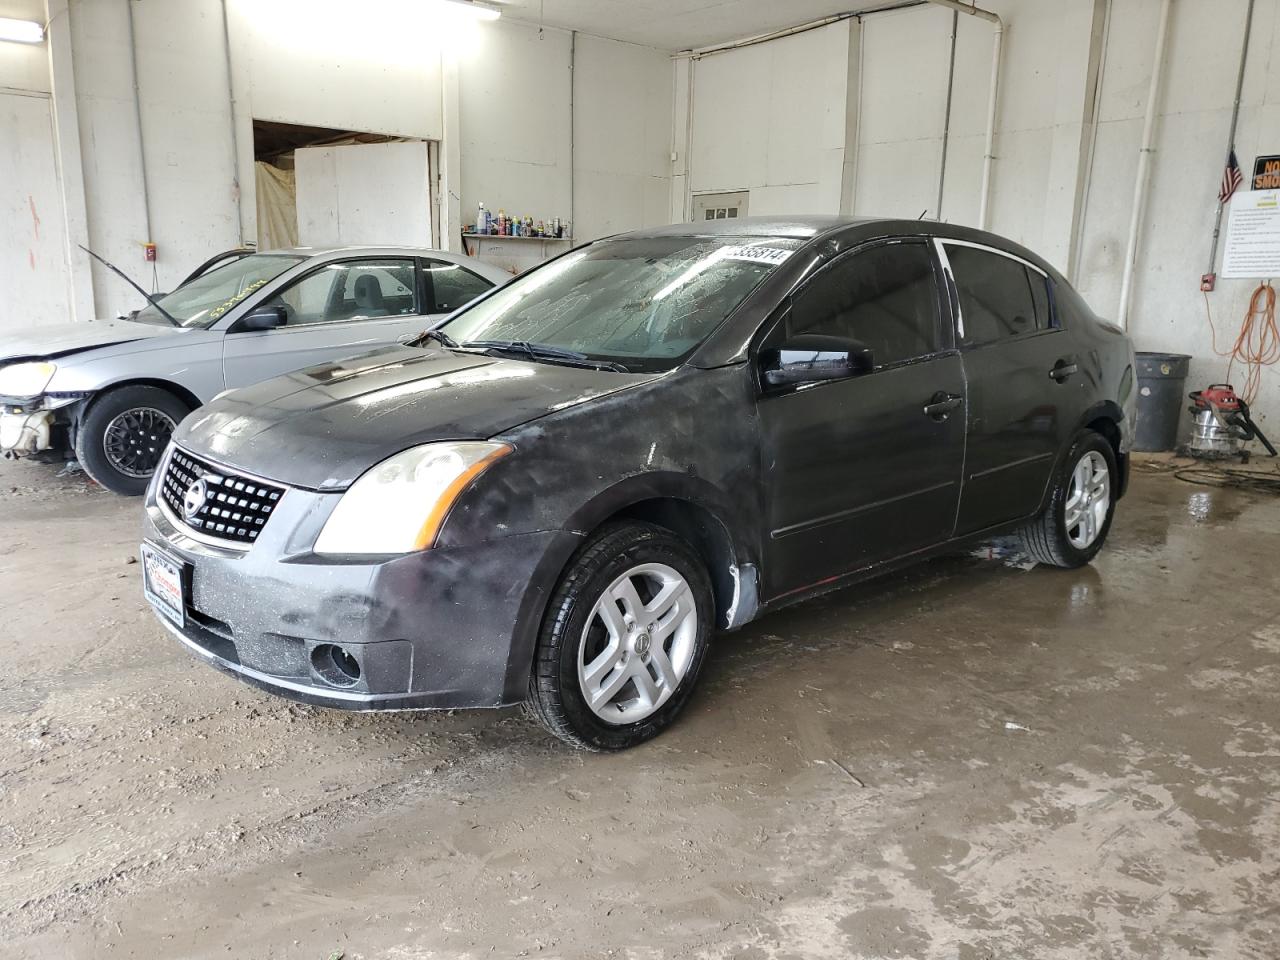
1064, 368
941, 404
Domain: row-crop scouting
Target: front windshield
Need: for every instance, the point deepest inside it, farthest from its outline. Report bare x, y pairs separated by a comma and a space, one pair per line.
643, 303
206, 298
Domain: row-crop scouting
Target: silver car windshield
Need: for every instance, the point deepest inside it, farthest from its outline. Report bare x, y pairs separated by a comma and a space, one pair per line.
642, 303
210, 295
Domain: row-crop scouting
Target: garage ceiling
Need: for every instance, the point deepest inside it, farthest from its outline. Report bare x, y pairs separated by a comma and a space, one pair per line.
681, 24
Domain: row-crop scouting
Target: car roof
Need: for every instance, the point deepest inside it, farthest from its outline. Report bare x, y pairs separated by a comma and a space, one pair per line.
798, 227
816, 227
358, 251
319, 256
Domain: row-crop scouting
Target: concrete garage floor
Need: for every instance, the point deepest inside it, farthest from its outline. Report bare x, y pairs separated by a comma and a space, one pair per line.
968, 760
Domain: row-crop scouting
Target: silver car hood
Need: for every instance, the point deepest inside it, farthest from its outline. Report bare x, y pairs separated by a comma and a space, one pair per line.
62, 339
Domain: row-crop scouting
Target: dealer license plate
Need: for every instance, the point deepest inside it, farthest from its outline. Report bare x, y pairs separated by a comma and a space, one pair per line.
162, 583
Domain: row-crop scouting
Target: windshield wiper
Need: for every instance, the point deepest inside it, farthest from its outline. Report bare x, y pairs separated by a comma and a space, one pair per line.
543, 351
125, 277
439, 336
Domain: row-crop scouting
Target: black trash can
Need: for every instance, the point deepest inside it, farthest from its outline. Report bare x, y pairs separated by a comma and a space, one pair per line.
1162, 384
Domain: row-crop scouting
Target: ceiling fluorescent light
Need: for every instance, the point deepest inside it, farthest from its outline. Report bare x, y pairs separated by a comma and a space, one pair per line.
21, 31
477, 10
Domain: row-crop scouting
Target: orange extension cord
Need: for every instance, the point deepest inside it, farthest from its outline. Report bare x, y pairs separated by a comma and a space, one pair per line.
1258, 344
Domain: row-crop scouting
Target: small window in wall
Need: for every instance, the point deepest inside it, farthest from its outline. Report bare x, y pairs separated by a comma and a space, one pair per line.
720, 206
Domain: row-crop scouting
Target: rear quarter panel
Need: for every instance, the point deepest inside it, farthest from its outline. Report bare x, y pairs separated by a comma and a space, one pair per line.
1107, 353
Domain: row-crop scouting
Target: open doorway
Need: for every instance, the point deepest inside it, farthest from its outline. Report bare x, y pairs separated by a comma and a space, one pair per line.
318, 186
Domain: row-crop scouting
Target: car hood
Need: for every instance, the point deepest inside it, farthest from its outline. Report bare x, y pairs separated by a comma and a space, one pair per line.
320, 428
62, 339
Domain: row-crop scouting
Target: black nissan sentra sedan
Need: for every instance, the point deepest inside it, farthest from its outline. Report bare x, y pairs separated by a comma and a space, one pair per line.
558, 494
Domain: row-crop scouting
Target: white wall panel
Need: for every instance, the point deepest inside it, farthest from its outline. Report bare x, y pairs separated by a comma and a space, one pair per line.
905, 55
374, 68
114, 196
770, 119
514, 113
33, 271
622, 148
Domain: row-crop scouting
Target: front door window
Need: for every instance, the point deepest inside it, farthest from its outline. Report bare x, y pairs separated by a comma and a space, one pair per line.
352, 290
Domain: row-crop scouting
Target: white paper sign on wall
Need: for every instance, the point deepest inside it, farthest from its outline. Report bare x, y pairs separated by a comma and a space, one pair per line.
1253, 236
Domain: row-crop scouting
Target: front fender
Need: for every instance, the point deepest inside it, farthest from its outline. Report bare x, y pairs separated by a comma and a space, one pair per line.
195, 365
648, 486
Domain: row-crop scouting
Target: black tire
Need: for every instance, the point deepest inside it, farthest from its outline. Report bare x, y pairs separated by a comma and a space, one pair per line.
1046, 538
556, 698
153, 405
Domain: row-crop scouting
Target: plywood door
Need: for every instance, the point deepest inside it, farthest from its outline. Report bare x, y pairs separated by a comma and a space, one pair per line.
364, 194
33, 267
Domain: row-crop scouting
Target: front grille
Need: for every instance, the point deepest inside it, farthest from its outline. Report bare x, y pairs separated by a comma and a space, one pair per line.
235, 508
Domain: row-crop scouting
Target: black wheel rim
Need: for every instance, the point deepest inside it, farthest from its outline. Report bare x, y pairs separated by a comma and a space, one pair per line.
135, 440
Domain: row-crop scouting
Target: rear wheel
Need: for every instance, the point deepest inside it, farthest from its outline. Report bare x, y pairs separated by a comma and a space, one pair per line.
1074, 526
623, 640
123, 436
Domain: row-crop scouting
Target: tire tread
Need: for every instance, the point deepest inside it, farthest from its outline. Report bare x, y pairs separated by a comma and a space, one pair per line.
123, 397
1043, 537
546, 702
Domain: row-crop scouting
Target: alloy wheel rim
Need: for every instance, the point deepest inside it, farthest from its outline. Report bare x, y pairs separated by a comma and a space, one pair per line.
1088, 500
638, 643
134, 440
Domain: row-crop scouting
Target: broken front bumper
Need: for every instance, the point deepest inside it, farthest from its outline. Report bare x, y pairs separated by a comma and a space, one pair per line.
25, 433
442, 628
34, 424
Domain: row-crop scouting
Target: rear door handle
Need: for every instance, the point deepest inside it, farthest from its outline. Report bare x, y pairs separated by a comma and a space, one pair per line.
941, 404
1064, 368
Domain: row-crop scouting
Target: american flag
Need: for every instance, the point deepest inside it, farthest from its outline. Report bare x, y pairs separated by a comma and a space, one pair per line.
1231, 178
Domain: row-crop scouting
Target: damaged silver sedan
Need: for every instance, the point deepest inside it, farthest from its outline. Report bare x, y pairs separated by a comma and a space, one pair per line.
111, 392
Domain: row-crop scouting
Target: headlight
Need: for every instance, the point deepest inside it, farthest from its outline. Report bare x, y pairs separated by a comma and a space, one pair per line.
26, 379
399, 505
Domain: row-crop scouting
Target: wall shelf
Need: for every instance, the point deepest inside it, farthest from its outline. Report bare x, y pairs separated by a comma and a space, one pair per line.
495, 236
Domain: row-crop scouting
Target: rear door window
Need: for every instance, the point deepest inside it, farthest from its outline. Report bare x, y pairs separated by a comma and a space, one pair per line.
1040, 295
884, 297
452, 285
996, 296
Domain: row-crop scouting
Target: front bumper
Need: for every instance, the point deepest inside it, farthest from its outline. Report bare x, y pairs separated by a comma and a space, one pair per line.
34, 424
25, 433
443, 628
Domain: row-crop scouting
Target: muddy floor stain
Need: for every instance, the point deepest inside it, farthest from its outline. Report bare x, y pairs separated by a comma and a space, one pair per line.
966, 760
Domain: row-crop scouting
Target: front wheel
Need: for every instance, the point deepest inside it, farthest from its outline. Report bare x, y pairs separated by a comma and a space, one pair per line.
123, 436
623, 639
1074, 526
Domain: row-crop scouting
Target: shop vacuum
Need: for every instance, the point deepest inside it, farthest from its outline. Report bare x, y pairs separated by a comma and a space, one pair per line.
1221, 425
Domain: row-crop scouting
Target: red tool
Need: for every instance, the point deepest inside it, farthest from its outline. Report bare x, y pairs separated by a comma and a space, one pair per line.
1222, 422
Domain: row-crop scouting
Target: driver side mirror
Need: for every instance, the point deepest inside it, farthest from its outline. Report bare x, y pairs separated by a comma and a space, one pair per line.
812, 357
265, 317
